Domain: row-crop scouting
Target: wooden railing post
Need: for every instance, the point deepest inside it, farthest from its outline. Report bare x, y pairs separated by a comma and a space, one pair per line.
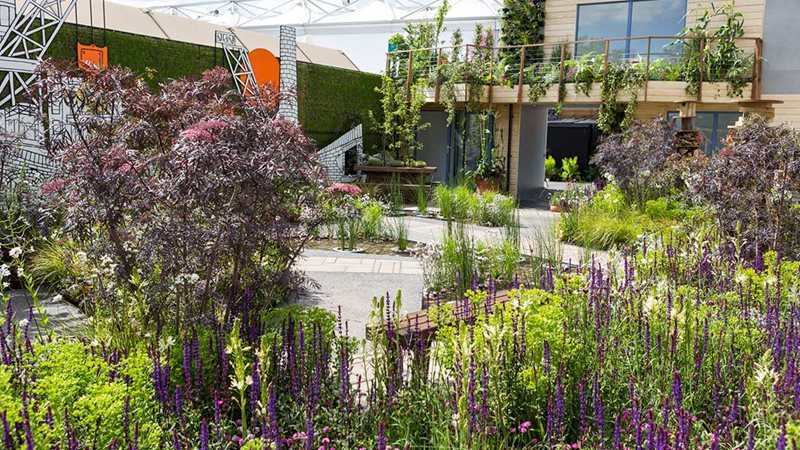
521, 82
491, 74
757, 68
388, 63
647, 67
563, 57
608, 50
701, 68
409, 75
438, 79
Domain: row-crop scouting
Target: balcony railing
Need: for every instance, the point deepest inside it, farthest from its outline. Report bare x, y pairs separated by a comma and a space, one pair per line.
692, 60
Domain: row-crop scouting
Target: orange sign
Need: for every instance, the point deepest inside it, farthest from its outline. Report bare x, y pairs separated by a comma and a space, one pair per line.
92, 57
266, 67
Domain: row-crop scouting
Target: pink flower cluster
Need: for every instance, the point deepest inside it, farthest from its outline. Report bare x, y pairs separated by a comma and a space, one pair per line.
344, 188
203, 130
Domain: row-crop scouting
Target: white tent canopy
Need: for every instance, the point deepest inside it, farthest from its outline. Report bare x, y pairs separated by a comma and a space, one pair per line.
360, 28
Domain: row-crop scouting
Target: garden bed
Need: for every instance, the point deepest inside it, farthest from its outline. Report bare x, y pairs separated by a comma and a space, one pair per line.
384, 175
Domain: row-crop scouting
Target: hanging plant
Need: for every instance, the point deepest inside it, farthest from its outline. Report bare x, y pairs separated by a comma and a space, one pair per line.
588, 69
451, 71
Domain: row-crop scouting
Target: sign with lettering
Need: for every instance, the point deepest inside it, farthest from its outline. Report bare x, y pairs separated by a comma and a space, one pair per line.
224, 39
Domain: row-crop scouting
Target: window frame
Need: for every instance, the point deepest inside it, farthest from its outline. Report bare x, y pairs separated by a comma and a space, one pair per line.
628, 25
715, 138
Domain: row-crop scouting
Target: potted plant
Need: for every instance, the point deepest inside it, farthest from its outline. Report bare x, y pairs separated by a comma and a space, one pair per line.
556, 201
488, 174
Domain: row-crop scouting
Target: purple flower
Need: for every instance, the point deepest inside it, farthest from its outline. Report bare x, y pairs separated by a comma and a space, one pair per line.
272, 410
176, 442
677, 390
546, 358
255, 388
204, 435
8, 440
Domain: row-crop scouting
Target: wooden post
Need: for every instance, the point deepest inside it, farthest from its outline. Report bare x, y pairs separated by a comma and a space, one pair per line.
563, 57
491, 74
438, 83
521, 73
388, 63
409, 75
701, 68
756, 93
647, 67
608, 50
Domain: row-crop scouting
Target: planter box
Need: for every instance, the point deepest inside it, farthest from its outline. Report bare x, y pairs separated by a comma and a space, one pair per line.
384, 174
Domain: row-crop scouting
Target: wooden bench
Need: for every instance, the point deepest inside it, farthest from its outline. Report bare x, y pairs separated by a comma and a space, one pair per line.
418, 326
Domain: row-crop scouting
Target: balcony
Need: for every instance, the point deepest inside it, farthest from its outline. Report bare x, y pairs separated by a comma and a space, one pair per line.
642, 69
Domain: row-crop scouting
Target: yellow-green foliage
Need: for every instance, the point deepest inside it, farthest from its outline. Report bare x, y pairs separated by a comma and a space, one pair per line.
69, 377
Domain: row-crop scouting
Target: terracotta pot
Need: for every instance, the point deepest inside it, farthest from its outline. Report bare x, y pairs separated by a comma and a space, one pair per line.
487, 185
555, 208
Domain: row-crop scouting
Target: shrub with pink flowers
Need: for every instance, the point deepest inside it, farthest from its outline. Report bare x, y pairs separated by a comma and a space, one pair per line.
191, 194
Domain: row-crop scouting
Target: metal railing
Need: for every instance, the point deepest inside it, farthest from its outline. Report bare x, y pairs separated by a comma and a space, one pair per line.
656, 58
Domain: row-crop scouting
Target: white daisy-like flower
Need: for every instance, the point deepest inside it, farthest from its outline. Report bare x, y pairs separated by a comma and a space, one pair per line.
24, 323
58, 298
15, 252
20, 272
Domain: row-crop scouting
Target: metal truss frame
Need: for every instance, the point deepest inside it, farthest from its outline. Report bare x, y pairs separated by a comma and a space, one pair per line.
25, 43
316, 13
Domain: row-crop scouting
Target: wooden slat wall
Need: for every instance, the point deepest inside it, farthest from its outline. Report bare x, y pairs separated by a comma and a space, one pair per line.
789, 111
561, 16
513, 151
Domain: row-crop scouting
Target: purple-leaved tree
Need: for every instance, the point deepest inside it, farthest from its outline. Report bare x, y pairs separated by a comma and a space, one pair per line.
191, 188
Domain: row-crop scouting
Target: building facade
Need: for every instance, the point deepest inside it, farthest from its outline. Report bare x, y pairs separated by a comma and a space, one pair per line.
758, 71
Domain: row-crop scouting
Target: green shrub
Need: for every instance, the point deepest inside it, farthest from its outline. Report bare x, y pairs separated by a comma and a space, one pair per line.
663, 209
372, 219
444, 201
569, 169
550, 169
71, 377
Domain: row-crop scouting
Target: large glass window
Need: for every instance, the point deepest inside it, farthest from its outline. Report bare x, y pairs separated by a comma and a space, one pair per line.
713, 125
630, 18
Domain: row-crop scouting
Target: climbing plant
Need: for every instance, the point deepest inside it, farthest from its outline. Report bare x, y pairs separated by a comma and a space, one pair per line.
722, 59
401, 118
423, 38
619, 77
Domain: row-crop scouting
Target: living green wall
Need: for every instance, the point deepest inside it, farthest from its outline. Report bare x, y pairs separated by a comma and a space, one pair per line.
162, 58
330, 100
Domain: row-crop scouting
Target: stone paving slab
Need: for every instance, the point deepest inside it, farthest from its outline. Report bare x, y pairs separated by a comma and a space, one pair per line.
363, 264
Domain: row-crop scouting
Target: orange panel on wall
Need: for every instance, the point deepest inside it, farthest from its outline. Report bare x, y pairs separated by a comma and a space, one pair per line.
92, 57
266, 67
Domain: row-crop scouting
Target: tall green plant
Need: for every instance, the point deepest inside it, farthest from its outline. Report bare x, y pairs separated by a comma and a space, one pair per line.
722, 59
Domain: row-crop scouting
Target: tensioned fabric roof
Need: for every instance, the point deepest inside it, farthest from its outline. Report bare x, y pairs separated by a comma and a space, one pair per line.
149, 22
359, 27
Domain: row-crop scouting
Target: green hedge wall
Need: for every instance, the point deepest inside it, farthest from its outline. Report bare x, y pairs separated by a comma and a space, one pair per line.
330, 99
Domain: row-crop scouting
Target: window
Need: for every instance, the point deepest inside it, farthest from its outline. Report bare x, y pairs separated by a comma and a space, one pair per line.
467, 139
630, 18
713, 125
